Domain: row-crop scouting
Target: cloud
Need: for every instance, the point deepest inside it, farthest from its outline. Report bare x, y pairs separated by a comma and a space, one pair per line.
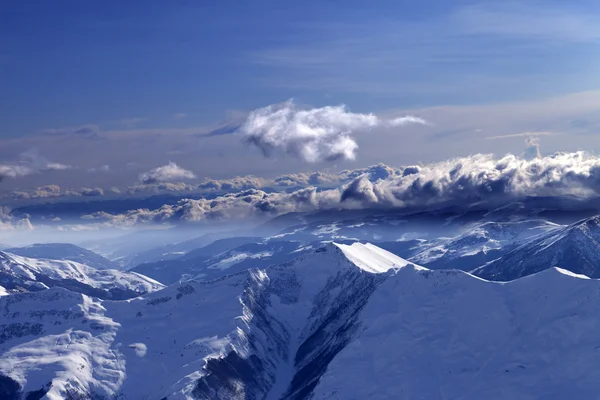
159, 187
407, 120
522, 134
180, 115
533, 148
311, 135
526, 20
30, 162
50, 191
237, 183
91, 192
14, 171
102, 168
479, 179
88, 130
9, 222
166, 173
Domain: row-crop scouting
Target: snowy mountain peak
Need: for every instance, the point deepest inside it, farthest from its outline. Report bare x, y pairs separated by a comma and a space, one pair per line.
574, 247
371, 258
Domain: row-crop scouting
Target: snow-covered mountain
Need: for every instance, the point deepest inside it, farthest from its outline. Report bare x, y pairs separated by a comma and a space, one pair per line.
64, 251
575, 248
223, 258
479, 244
19, 274
338, 322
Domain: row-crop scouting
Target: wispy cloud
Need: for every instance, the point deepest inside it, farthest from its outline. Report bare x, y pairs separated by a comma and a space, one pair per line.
466, 52
556, 21
521, 134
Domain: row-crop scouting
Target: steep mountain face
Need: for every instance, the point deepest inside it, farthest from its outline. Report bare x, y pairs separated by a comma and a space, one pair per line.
64, 251
338, 322
575, 247
480, 244
22, 274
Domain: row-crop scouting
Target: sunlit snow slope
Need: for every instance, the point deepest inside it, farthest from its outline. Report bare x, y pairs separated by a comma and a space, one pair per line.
339, 322
19, 274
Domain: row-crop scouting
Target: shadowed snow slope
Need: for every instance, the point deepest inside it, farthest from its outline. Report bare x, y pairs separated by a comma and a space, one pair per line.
574, 247
339, 322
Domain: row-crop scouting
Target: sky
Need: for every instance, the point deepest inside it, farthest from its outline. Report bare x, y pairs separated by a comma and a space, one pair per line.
101, 94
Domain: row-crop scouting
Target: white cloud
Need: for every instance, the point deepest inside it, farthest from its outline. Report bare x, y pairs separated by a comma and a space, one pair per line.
30, 162
407, 120
533, 148
478, 179
522, 134
312, 135
166, 173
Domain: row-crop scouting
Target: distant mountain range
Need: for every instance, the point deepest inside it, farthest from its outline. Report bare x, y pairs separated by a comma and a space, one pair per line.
64, 251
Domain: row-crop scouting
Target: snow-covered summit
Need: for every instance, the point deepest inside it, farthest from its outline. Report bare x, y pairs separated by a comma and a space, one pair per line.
371, 258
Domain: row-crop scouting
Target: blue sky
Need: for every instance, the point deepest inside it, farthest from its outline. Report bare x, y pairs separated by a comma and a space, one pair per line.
71, 63
147, 76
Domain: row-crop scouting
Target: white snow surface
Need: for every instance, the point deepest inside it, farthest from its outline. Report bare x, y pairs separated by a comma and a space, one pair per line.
371, 258
30, 270
392, 329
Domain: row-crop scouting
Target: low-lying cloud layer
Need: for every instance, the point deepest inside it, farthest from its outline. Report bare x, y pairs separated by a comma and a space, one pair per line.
166, 173
478, 179
312, 135
461, 182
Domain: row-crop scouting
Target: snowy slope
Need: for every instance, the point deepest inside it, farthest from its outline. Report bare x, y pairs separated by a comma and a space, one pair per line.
19, 274
339, 322
219, 260
575, 247
448, 335
479, 244
64, 251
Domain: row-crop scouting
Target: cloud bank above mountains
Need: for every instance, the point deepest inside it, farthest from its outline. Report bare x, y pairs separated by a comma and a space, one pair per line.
479, 179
